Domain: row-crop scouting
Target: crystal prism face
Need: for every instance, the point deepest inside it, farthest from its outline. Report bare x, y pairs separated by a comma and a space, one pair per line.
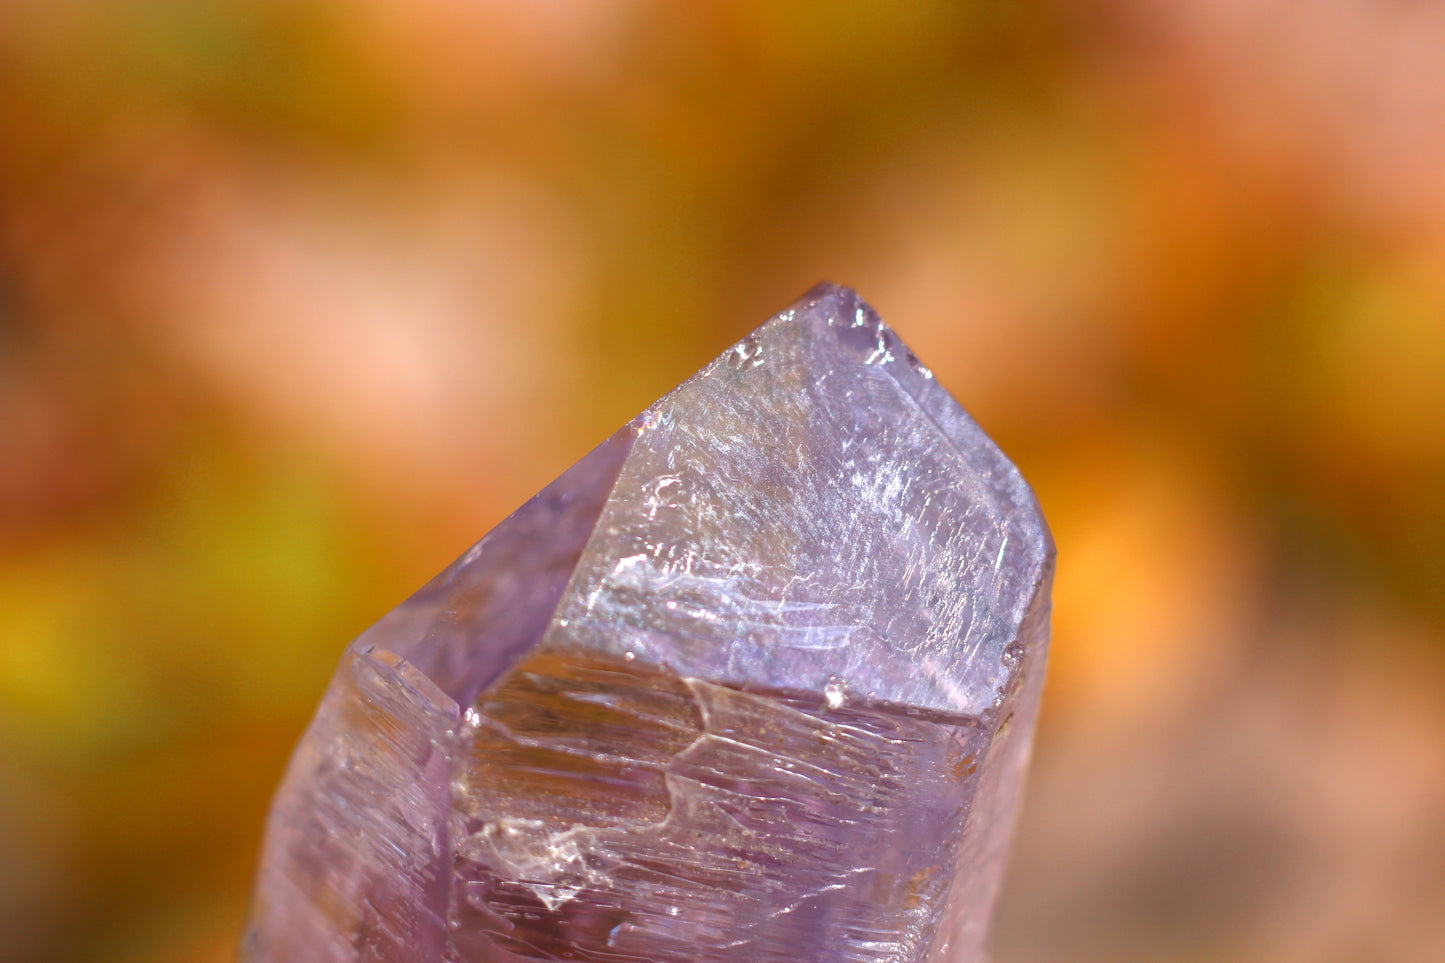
758, 675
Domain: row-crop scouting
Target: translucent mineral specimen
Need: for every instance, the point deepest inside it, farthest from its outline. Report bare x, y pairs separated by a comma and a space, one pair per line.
755, 679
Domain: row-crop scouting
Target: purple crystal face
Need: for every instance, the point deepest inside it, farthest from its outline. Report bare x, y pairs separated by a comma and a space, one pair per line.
756, 676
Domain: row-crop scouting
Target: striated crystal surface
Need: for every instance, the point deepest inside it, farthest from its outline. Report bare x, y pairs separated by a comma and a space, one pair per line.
756, 676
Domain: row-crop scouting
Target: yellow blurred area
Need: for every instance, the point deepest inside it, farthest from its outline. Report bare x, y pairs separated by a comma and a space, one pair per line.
297, 299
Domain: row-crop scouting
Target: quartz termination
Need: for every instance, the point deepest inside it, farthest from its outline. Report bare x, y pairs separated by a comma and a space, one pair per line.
755, 677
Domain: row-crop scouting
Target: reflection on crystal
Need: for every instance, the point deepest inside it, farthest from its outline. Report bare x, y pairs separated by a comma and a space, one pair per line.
757, 675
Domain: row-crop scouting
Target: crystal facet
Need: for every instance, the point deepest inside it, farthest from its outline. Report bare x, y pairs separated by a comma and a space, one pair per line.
756, 676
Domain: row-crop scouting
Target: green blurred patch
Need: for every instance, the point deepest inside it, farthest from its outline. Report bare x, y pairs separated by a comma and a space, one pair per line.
282, 67
1349, 430
233, 592
155, 672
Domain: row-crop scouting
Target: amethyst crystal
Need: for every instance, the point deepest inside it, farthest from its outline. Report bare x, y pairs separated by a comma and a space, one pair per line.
754, 679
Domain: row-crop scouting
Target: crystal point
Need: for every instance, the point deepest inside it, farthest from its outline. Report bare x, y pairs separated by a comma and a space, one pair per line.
757, 675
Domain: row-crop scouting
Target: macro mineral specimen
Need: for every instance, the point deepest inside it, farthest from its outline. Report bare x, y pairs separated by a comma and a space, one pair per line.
755, 679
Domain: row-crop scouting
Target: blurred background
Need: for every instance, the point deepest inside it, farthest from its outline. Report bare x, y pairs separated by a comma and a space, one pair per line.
297, 299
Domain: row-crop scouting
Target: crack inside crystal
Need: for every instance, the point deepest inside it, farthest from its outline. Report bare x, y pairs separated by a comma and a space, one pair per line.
586, 785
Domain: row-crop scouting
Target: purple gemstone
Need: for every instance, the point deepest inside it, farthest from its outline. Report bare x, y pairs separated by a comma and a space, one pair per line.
756, 677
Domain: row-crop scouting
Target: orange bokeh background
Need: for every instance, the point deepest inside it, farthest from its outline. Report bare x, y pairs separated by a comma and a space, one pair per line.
297, 299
